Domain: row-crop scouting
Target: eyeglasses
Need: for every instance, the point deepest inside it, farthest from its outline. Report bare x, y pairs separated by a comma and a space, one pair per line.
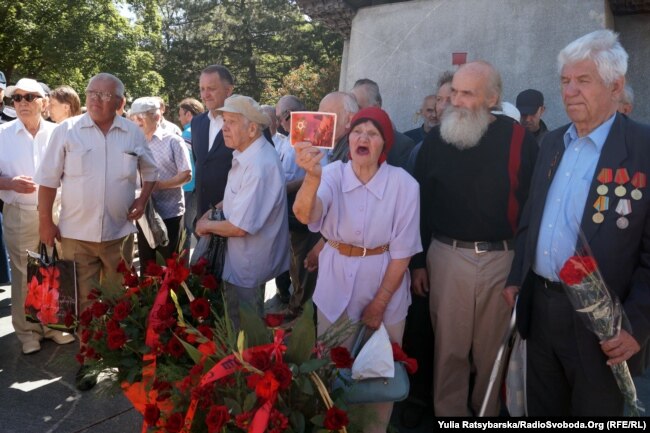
28, 97
285, 115
104, 96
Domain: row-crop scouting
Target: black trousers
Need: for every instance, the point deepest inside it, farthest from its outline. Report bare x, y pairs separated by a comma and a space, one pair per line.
146, 253
567, 374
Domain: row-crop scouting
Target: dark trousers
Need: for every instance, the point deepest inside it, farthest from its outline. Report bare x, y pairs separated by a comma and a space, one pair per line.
304, 282
146, 253
190, 215
566, 370
5, 277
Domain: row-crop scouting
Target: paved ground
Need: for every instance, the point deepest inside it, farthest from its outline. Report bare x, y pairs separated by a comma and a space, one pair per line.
37, 393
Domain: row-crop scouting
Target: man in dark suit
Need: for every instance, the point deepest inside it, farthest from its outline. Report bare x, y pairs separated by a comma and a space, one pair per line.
213, 158
593, 171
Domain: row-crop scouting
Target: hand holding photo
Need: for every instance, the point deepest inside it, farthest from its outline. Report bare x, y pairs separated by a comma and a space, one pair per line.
314, 127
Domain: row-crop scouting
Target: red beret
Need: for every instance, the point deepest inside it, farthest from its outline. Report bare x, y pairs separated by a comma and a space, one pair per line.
381, 120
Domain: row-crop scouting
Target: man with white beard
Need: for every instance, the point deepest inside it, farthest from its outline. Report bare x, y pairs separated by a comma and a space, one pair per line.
474, 171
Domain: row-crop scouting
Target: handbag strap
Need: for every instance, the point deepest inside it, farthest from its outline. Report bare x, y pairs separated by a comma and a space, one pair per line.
358, 341
45, 258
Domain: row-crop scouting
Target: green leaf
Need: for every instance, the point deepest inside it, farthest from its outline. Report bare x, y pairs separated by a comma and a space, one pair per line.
160, 260
313, 365
256, 331
181, 322
318, 419
232, 405
297, 420
303, 336
191, 350
249, 402
306, 386
128, 361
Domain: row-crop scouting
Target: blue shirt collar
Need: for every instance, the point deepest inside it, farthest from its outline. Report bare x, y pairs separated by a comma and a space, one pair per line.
597, 136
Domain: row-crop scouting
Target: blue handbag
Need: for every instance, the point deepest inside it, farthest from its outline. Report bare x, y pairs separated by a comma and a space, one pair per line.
372, 390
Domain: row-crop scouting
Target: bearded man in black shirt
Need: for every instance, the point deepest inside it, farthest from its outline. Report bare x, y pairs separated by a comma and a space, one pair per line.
474, 171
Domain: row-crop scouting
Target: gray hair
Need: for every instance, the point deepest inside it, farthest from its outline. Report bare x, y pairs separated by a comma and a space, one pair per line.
371, 89
603, 48
627, 96
119, 86
350, 103
290, 103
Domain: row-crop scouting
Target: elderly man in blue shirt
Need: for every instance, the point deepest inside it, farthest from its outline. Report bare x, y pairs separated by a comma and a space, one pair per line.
254, 205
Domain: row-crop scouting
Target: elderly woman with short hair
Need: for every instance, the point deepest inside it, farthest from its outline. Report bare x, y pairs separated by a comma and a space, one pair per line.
173, 160
64, 103
369, 211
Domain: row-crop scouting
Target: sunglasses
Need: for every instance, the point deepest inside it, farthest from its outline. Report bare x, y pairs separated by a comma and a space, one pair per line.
29, 97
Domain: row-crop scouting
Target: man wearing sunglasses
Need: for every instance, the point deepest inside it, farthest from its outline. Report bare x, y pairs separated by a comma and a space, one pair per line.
22, 148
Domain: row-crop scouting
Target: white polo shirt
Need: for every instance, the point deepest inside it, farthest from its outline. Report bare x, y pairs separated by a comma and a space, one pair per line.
97, 174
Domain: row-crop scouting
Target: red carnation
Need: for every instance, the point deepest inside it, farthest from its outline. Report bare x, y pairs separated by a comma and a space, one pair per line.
121, 267
335, 419
209, 282
174, 422
283, 374
259, 360
199, 267
175, 348
206, 331
116, 339
243, 420
341, 357
217, 418
267, 387
200, 308
151, 414
278, 422
85, 335
274, 320
131, 280
121, 310
112, 325
99, 309
86, 317
576, 268
68, 320
411, 364
99, 334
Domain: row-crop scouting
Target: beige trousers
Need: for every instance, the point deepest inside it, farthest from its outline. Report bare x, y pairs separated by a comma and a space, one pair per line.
96, 264
469, 319
395, 331
20, 228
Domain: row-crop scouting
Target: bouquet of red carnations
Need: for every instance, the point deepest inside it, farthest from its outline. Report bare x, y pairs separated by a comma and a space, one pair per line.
602, 314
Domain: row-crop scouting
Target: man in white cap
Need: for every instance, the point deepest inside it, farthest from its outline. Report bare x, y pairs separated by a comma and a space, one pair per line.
173, 160
22, 148
255, 207
94, 158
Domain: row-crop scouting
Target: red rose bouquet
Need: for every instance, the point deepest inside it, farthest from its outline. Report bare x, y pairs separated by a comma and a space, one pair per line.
601, 312
170, 345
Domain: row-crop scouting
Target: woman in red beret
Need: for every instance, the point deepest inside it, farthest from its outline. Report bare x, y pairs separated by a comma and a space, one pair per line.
369, 212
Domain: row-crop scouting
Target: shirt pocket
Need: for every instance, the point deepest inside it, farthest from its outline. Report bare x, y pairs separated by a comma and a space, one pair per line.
78, 162
129, 166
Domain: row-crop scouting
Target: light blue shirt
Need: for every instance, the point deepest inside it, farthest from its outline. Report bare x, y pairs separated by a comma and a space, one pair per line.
566, 199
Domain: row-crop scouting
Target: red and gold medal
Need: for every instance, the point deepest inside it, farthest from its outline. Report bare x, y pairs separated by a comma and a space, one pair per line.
621, 178
639, 181
604, 177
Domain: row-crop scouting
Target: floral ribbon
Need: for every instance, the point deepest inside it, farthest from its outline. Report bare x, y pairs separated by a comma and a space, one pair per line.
229, 365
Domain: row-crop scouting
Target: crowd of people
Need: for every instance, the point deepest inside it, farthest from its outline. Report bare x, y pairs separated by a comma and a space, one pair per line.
474, 213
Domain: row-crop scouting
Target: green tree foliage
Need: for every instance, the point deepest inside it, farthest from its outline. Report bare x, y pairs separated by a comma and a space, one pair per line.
260, 41
162, 46
68, 41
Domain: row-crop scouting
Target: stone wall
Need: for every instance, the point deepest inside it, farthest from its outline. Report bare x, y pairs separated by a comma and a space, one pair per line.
405, 46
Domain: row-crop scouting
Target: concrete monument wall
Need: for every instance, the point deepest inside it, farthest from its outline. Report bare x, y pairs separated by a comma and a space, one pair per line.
405, 46
635, 36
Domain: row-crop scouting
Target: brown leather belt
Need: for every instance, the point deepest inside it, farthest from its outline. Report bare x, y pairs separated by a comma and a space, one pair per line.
354, 251
478, 247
